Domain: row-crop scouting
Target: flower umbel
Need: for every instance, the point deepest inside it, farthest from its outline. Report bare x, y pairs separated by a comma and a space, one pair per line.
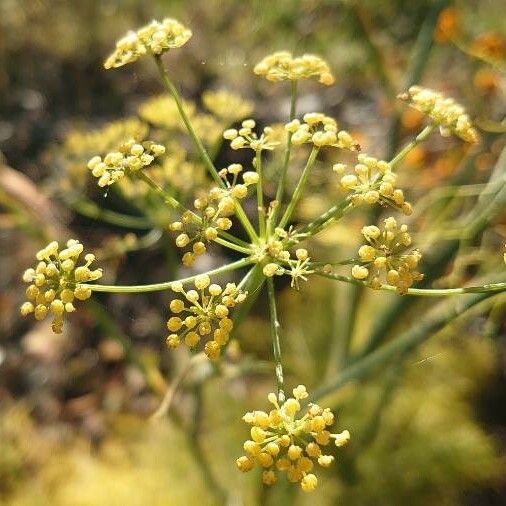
212, 212
131, 157
204, 313
155, 38
445, 112
322, 131
54, 282
373, 182
386, 253
245, 137
283, 441
282, 66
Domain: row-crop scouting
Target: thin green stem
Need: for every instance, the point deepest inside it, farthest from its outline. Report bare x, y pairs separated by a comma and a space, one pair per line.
410, 145
275, 334
421, 292
300, 187
243, 262
245, 221
335, 212
186, 120
235, 247
284, 169
260, 194
169, 199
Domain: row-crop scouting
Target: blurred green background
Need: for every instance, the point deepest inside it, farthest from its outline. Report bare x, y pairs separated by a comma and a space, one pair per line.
430, 428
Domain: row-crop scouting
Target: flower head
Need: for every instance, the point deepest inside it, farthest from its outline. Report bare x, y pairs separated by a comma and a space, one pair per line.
283, 441
54, 283
212, 213
445, 112
245, 137
386, 253
373, 182
282, 66
155, 38
131, 157
321, 130
203, 312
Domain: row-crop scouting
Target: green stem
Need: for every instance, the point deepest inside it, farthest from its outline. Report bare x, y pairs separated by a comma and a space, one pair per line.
282, 177
442, 315
169, 199
410, 145
300, 187
421, 292
235, 247
276, 345
260, 194
198, 143
243, 262
245, 222
335, 212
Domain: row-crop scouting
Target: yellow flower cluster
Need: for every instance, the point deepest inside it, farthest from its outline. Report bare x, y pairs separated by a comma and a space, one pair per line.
322, 131
155, 38
282, 66
226, 105
373, 182
54, 282
246, 138
445, 112
212, 214
297, 268
207, 314
385, 252
282, 442
131, 157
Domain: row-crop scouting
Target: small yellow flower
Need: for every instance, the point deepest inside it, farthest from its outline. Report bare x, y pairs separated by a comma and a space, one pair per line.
282, 66
386, 253
155, 38
282, 441
55, 282
321, 131
131, 157
245, 137
445, 112
373, 182
212, 212
204, 314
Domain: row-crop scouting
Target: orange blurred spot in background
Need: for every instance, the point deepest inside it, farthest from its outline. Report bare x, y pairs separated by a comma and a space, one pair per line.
491, 45
486, 81
448, 25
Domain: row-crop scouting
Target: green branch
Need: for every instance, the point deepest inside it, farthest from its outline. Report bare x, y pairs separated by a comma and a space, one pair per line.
186, 120
276, 345
420, 292
167, 285
282, 177
300, 187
